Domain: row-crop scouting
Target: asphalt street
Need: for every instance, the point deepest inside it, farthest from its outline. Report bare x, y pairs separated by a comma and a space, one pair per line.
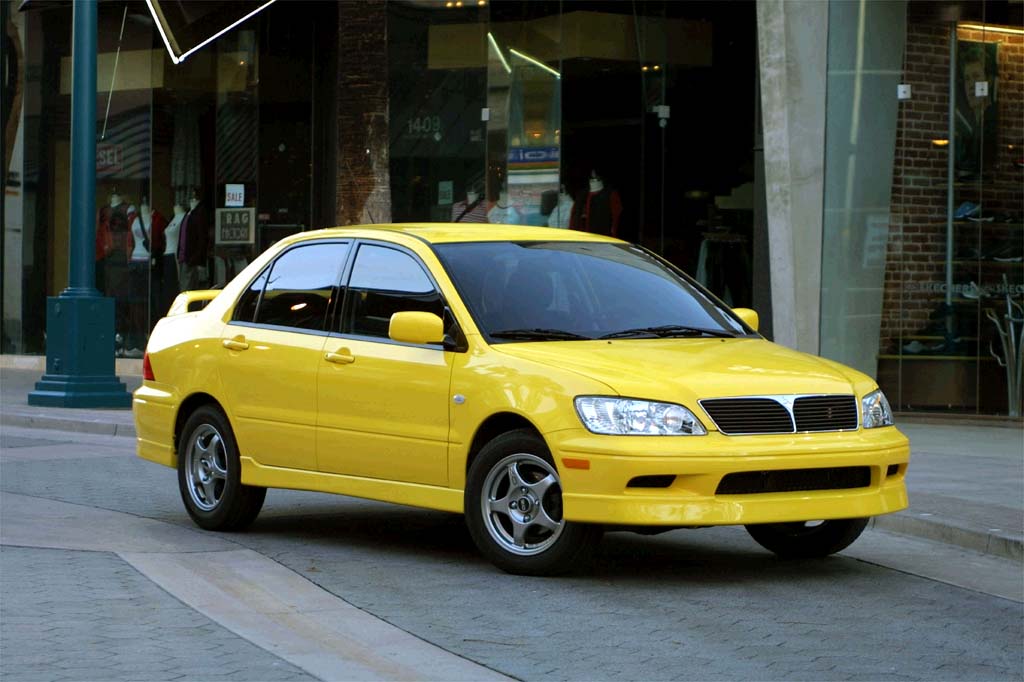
104, 577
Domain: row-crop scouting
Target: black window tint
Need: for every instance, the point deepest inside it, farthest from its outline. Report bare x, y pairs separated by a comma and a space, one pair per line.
300, 285
386, 281
245, 311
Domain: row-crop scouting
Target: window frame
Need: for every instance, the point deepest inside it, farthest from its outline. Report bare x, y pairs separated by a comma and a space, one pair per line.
336, 290
342, 308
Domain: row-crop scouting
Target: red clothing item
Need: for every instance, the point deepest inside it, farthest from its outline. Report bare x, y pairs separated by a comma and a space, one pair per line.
157, 240
597, 212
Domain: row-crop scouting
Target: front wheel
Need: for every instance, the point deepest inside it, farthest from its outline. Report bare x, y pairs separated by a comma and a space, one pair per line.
807, 539
513, 505
210, 474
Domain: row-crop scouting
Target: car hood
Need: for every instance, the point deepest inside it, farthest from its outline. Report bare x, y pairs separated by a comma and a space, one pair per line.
687, 370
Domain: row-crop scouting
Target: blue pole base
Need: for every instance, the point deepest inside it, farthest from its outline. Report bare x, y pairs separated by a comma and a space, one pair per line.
80, 355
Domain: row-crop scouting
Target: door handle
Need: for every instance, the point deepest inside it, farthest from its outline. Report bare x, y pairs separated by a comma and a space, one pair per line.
342, 357
237, 343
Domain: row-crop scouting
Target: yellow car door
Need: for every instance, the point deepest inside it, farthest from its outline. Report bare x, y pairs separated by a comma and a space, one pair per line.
272, 350
383, 405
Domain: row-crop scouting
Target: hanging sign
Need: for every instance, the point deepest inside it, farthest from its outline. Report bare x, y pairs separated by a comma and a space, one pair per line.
235, 226
234, 195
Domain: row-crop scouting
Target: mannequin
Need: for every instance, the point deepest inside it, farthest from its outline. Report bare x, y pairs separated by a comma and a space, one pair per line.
165, 267
503, 212
562, 212
193, 246
598, 209
113, 252
472, 210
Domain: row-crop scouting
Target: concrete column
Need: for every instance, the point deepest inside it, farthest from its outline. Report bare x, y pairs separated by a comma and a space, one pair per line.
793, 51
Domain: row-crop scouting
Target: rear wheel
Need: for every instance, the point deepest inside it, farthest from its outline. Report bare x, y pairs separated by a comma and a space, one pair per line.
807, 539
209, 474
513, 505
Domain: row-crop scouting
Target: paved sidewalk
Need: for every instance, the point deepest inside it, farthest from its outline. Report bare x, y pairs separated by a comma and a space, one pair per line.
966, 479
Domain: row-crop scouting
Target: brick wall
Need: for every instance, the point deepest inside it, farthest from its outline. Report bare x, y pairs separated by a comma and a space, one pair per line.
364, 191
916, 267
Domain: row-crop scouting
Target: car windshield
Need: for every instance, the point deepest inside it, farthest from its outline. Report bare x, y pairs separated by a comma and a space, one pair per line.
534, 291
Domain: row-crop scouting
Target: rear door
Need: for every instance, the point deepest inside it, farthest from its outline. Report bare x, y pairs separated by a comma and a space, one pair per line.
272, 350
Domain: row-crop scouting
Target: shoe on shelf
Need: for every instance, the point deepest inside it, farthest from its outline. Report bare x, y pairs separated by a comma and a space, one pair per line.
1008, 253
973, 292
979, 219
966, 210
134, 353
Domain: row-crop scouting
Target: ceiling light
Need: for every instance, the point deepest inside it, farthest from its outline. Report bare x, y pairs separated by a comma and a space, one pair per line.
992, 29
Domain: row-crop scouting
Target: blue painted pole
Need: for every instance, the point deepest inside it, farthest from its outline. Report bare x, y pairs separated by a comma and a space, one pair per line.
80, 369
82, 264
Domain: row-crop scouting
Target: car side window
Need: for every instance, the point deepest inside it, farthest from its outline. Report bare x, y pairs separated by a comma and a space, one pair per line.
245, 310
298, 287
385, 281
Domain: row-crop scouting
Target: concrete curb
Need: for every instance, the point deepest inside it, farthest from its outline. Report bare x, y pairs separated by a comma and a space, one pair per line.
995, 542
69, 424
37, 363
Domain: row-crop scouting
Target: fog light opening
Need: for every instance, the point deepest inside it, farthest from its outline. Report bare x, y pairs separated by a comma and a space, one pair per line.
892, 470
660, 481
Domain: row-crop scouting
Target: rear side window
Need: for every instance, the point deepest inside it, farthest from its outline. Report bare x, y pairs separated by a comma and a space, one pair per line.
385, 281
298, 287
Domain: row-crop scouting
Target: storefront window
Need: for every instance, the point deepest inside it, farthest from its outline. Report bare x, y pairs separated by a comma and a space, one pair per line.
437, 79
933, 264
199, 166
524, 99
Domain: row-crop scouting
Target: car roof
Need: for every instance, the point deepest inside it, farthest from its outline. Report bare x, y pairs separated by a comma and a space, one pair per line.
440, 233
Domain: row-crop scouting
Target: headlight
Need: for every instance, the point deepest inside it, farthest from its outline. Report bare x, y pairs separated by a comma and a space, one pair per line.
622, 416
875, 410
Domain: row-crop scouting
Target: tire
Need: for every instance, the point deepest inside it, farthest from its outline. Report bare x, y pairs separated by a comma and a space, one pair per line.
523, 532
209, 474
807, 539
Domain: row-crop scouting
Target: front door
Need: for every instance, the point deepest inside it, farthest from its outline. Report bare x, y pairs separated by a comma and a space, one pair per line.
383, 405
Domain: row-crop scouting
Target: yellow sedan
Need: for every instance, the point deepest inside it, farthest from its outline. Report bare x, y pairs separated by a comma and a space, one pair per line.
546, 384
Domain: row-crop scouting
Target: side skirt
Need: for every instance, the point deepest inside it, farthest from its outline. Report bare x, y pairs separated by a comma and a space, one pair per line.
412, 494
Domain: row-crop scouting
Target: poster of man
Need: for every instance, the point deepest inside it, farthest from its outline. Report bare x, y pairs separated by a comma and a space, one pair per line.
976, 114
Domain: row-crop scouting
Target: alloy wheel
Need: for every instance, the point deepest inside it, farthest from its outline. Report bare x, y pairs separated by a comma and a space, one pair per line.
522, 504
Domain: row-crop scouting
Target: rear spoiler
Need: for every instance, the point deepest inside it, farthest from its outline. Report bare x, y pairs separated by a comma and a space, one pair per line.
191, 301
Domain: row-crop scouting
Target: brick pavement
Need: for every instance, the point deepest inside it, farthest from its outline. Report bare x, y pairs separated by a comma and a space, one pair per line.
83, 616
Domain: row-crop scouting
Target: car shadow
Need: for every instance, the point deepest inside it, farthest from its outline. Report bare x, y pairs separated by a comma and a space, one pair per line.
387, 533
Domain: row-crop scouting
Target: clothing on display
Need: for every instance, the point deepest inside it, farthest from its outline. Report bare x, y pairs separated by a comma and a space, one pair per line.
193, 247
185, 159
502, 212
561, 214
147, 234
171, 231
597, 210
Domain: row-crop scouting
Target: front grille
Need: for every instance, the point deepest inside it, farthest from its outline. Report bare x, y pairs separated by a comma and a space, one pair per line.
825, 412
793, 480
782, 413
748, 415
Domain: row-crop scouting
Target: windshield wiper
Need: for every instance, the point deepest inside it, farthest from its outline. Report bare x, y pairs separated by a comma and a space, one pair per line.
668, 330
540, 335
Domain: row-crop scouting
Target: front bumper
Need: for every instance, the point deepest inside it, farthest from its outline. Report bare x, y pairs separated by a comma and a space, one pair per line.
601, 493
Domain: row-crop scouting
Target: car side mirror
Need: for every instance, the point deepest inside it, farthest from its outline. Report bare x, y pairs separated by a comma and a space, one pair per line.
749, 317
416, 327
